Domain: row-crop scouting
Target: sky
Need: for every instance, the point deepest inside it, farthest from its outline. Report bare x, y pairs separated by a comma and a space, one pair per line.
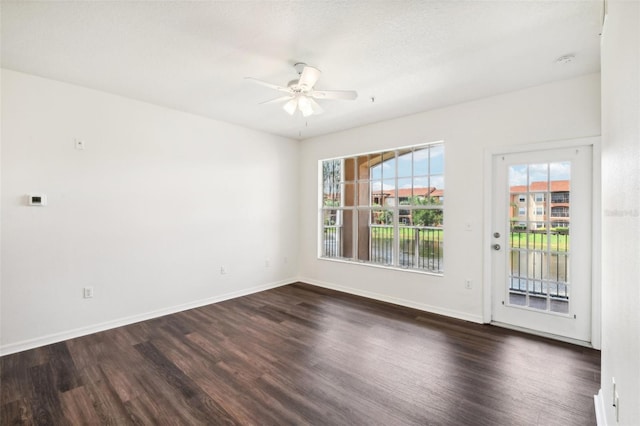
539, 172
428, 170
427, 167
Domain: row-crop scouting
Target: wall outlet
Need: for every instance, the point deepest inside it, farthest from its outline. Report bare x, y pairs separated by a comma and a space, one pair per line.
78, 144
37, 199
87, 292
223, 270
468, 284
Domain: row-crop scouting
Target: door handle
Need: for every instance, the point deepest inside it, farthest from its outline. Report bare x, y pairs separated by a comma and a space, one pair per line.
496, 246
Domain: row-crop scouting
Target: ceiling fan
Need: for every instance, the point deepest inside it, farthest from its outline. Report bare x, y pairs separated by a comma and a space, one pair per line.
301, 95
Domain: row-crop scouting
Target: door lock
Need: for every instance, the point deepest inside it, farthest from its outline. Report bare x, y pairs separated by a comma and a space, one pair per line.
496, 246
496, 235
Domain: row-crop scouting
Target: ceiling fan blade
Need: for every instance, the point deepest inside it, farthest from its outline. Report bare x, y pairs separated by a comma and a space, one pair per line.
269, 85
309, 76
317, 109
345, 95
291, 106
280, 99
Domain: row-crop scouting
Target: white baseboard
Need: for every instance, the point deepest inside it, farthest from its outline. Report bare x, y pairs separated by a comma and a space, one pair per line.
601, 417
395, 300
95, 328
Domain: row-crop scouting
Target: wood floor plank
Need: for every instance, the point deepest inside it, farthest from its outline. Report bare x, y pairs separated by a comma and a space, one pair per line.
15, 380
45, 403
199, 403
78, 408
16, 412
300, 354
107, 405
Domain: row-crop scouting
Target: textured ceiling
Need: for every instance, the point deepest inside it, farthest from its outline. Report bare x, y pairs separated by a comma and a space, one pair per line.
410, 56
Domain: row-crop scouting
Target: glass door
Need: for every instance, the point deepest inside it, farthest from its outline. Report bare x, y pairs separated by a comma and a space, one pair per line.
541, 263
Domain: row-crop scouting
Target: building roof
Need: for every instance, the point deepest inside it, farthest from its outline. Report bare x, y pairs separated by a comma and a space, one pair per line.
417, 192
411, 192
556, 186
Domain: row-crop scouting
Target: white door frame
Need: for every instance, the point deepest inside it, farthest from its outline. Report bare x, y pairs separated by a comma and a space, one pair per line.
596, 240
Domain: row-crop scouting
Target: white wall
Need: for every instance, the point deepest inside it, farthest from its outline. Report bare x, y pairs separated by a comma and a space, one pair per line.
561, 110
147, 214
621, 218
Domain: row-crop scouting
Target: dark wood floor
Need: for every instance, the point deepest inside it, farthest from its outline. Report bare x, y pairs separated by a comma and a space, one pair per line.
302, 355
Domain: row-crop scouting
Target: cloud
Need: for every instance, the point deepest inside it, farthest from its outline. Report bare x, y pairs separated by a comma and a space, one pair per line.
560, 171
437, 181
518, 175
539, 172
375, 186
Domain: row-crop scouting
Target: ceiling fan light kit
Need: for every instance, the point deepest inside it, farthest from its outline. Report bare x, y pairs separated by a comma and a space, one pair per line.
291, 106
301, 94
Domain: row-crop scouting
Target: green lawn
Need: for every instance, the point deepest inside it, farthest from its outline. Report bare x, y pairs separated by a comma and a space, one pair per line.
537, 241
406, 233
530, 240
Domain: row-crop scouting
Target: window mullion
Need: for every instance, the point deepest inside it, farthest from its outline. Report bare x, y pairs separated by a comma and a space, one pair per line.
396, 217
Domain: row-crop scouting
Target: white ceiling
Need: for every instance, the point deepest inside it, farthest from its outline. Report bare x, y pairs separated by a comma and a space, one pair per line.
410, 56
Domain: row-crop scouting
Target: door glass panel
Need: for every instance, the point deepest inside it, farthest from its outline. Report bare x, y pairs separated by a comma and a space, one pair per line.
539, 206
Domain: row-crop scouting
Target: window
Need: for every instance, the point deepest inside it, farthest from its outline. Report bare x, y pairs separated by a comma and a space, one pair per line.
539, 211
560, 197
539, 197
385, 208
559, 211
522, 198
522, 211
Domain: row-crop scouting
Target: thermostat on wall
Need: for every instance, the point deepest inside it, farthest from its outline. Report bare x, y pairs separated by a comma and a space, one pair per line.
37, 200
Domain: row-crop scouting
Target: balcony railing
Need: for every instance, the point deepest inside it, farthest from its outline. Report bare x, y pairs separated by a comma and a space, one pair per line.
539, 263
332, 241
555, 289
559, 197
559, 212
420, 247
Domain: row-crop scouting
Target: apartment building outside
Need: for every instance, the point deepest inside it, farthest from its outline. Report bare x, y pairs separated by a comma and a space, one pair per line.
539, 204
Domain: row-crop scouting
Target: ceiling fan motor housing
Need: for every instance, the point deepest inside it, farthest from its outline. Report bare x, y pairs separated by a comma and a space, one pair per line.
298, 88
299, 66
